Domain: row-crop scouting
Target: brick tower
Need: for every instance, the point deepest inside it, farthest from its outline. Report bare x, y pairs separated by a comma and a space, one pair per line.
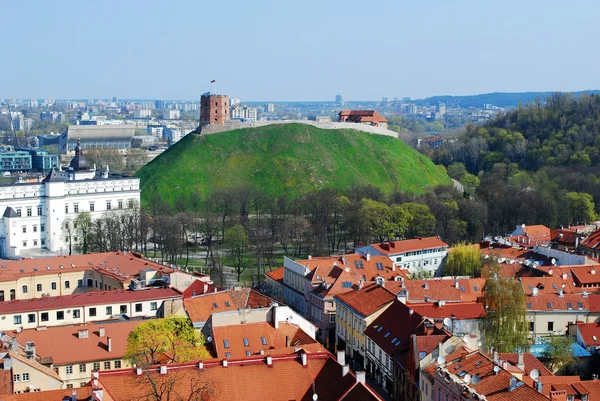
214, 109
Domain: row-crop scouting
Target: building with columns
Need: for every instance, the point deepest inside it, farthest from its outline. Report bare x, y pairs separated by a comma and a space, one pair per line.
33, 213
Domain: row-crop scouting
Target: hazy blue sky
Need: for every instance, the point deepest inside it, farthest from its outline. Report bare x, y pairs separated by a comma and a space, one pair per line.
296, 50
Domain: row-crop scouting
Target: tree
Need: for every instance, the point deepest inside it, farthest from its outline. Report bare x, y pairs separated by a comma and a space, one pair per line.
172, 337
68, 232
558, 353
101, 157
83, 228
505, 324
581, 207
423, 221
463, 260
136, 159
237, 241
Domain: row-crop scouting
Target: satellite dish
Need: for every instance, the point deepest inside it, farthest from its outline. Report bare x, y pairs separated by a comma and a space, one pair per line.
209, 339
479, 343
441, 360
315, 397
535, 291
466, 338
447, 321
550, 272
534, 374
347, 269
467, 378
553, 261
496, 369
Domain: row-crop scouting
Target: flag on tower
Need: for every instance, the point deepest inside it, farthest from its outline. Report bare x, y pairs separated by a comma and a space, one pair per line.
213, 81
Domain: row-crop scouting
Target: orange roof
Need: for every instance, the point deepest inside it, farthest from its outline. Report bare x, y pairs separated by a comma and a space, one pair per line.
397, 247
537, 232
86, 299
276, 274
547, 285
83, 394
590, 333
200, 307
259, 337
63, 345
529, 360
122, 266
248, 379
458, 310
367, 300
592, 241
550, 302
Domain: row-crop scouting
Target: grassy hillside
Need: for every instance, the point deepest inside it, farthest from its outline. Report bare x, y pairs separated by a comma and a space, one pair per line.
289, 159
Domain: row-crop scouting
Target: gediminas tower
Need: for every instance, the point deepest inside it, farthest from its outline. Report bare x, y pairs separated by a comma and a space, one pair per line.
214, 109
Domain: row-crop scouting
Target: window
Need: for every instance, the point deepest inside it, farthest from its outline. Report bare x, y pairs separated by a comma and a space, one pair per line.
246, 343
117, 364
38, 287
69, 370
530, 326
153, 305
248, 353
91, 206
109, 310
80, 283
17, 319
39, 210
69, 386
24, 243
29, 212
138, 307
263, 340
226, 343
96, 366
60, 315
123, 309
44, 316
1, 295
332, 318
107, 365
43, 241
227, 354
108, 205
42, 227
67, 284
25, 377
24, 289
24, 229
53, 285
92, 312
76, 313
19, 212
31, 318
13, 295
66, 208
76, 208
82, 368
17, 377
35, 242
90, 282
550, 326
120, 204
130, 203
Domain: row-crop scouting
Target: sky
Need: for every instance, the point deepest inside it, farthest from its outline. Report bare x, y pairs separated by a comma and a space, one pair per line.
289, 50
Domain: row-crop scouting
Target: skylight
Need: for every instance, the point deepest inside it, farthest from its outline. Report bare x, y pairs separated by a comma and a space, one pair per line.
478, 363
215, 305
462, 288
379, 329
570, 306
356, 264
554, 286
476, 288
346, 284
386, 335
263, 340
529, 305
361, 264
227, 304
248, 353
549, 305
246, 344
227, 355
226, 343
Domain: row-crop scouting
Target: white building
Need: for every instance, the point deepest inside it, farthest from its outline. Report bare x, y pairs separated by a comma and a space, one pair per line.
417, 254
142, 113
171, 114
33, 212
244, 113
173, 134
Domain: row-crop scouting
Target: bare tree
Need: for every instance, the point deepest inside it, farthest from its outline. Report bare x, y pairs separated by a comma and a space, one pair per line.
68, 233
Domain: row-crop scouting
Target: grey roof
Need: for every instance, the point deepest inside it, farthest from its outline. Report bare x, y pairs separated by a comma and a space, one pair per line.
10, 212
99, 132
53, 176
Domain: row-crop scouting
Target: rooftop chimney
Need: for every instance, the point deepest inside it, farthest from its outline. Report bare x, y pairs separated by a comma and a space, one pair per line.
275, 321
345, 370
287, 341
224, 363
101, 332
109, 344
496, 356
269, 360
163, 369
360, 376
539, 386
368, 256
83, 333
309, 257
341, 357
97, 394
304, 359
521, 362
456, 284
205, 288
138, 371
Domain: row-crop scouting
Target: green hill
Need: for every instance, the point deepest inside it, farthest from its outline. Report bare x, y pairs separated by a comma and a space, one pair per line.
289, 159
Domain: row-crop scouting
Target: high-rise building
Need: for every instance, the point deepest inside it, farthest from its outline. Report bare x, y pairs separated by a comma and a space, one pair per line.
142, 113
214, 109
244, 113
171, 114
159, 104
339, 99
270, 107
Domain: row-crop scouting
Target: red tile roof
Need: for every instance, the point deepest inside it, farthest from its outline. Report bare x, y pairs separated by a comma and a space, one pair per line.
122, 266
237, 336
86, 299
430, 290
396, 247
529, 360
590, 333
549, 302
83, 394
592, 241
199, 287
6, 384
63, 345
249, 379
200, 307
276, 274
367, 300
458, 310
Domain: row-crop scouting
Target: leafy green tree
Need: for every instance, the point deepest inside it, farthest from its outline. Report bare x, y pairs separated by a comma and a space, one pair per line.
581, 207
463, 260
456, 170
376, 218
237, 241
173, 337
83, 228
423, 221
505, 324
400, 219
558, 353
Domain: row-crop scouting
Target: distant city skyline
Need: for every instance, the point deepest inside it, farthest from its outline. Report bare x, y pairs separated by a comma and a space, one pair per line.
296, 51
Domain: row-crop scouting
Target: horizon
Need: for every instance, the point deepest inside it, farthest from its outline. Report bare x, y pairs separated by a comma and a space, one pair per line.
284, 50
